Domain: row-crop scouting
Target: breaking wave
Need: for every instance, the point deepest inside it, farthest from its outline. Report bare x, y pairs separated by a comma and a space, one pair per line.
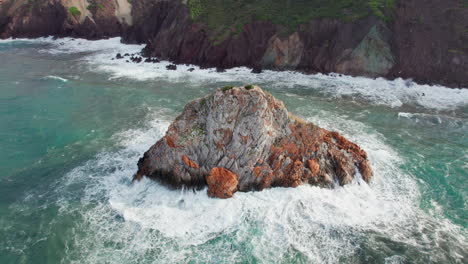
395, 93
57, 78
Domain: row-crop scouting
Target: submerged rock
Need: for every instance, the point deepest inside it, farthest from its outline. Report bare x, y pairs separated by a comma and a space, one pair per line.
152, 60
242, 138
171, 67
136, 59
256, 69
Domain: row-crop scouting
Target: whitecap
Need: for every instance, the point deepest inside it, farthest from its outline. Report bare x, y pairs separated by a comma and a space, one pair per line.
53, 77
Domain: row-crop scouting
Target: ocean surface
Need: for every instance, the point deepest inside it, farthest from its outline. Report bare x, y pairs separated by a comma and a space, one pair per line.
74, 122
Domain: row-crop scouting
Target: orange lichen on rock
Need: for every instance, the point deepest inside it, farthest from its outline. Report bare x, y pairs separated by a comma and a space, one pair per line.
293, 174
359, 155
222, 137
314, 167
291, 148
189, 162
222, 183
170, 142
309, 143
345, 144
366, 170
257, 171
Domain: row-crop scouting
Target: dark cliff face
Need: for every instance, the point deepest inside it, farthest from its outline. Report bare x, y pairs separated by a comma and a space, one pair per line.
171, 34
431, 41
424, 40
31, 19
28, 20
420, 39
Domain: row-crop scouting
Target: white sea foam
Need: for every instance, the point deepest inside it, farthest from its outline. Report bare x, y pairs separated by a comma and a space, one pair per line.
53, 77
148, 223
16, 40
395, 93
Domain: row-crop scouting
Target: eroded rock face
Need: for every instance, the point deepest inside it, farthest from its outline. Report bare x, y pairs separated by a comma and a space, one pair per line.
424, 41
91, 19
244, 139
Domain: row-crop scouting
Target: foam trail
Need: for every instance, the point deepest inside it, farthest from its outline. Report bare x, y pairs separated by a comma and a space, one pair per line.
149, 223
17, 40
53, 77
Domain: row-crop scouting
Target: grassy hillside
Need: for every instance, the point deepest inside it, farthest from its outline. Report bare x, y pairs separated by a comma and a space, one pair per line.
231, 15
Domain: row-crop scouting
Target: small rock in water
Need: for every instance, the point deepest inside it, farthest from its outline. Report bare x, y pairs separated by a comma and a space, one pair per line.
256, 69
244, 139
152, 60
220, 69
191, 69
126, 55
136, 59
171, 67
119, 56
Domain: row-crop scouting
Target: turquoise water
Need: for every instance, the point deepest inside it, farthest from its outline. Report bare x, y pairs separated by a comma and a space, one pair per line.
74, 123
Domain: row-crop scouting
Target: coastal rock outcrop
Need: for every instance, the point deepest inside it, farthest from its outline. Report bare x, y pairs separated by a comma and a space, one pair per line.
420, 39
244, 139
424, 40
91, 19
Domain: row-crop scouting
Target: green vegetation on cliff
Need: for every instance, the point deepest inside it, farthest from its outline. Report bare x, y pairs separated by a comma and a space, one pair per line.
94, 5
74, 11
232, 15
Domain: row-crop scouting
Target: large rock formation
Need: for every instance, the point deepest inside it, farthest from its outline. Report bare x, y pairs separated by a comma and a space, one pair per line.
242, 138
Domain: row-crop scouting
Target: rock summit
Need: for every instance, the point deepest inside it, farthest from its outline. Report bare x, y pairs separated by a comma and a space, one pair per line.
244, 139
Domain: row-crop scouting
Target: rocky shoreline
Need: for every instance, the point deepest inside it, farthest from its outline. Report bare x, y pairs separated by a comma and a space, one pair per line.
421, 40
244, 139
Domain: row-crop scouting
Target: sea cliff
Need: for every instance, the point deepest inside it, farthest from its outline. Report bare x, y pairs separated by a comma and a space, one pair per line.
418, 39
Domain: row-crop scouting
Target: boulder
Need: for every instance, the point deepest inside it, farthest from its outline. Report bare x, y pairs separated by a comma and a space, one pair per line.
222, 183
244, 139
